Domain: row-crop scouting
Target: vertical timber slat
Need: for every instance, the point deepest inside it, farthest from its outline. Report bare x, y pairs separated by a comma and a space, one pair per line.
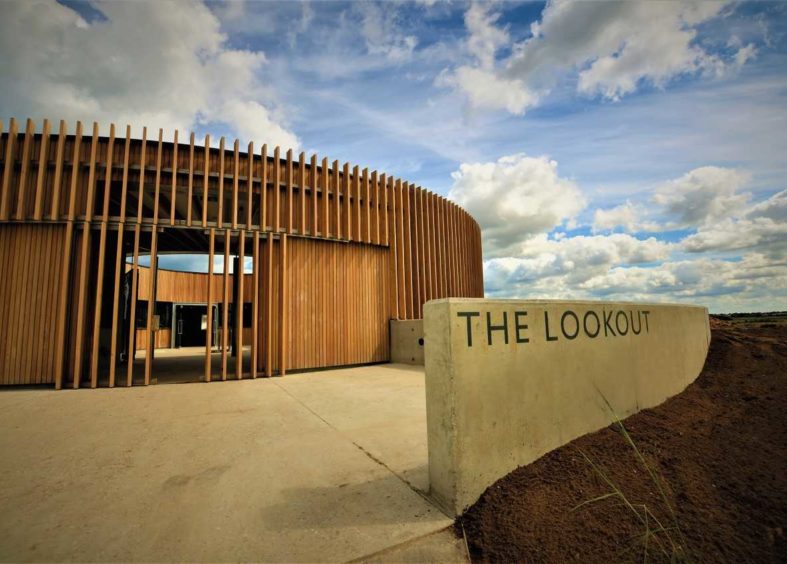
209, 301
238, 276
235, 174
255, 302
131, 350
25, 164
220, 211
174, 192
346, 193
205, 181
313, 187
99, 287
302, 192
225, 304
42, 163
289, 193
269, 306
54, 212
120, 264
157, 191
326, 230
336, 202
276, 190
264, 188
283, 301
189, 198
91, 175
151, 304
9, 168
75, 168
249, 184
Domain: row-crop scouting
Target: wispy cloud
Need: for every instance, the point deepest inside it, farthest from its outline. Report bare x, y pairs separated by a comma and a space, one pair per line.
614, 47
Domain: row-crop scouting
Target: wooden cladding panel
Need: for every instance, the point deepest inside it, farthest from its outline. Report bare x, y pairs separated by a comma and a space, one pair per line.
335, 314
162, 339
29, 302
188, 287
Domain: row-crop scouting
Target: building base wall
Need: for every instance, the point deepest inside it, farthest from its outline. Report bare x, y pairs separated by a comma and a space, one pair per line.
407, 341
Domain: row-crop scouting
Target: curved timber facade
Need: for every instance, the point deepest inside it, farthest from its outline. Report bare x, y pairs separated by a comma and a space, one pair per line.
336, 252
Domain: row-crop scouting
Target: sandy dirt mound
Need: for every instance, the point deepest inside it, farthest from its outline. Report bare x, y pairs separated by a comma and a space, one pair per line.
719, 449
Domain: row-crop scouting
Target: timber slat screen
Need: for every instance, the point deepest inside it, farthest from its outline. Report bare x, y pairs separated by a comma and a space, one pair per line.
337, 250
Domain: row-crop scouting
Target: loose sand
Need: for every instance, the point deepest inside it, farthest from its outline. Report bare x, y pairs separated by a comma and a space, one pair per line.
719, 448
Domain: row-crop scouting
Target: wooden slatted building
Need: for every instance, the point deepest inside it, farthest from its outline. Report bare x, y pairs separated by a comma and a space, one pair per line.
336, 252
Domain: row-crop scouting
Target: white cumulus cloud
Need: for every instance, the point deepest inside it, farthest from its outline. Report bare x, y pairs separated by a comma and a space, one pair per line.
558, 268
703, 195
761, 227
625, 215
752, 283
161, 64
486, 89
514, 199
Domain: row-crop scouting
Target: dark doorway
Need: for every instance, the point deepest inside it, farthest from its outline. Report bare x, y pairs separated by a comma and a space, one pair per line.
190, 325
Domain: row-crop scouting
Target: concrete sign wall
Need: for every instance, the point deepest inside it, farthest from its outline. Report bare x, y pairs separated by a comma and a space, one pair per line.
509, 380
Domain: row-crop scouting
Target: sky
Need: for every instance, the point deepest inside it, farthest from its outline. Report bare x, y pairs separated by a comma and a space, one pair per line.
613, 150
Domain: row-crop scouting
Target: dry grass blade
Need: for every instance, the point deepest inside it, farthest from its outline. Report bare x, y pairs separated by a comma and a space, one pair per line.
653, 476
467, 548
617, 492
595, 499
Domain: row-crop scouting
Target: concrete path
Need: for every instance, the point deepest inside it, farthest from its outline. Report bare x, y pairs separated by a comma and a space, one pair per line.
325, 466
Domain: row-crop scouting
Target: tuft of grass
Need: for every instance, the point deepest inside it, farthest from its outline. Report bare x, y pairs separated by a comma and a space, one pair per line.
668, 540
467, 548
